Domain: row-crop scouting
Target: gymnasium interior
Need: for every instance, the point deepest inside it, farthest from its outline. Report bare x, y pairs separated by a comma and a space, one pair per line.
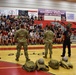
36, 15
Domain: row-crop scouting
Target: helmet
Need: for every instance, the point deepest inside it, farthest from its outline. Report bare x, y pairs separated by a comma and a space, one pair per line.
41, 61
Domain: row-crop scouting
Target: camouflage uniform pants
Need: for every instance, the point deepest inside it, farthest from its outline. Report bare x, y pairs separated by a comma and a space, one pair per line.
19, 45
48, 45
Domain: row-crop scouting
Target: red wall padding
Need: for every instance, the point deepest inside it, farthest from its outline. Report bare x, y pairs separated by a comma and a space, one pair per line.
44, 22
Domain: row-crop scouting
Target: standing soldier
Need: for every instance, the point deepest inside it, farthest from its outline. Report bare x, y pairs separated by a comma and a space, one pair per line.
48, 40
21, 37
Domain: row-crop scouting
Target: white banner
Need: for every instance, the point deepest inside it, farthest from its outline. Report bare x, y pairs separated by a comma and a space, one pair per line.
8, 12
32, 13
71, 16
58, 18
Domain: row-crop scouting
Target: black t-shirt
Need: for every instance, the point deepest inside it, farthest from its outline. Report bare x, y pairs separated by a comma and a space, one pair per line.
67, 35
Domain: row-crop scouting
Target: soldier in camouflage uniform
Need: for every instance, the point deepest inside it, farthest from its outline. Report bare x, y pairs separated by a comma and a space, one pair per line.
48, 40
21, 37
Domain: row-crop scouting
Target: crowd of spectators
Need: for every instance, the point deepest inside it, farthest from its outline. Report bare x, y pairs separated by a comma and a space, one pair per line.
9, 24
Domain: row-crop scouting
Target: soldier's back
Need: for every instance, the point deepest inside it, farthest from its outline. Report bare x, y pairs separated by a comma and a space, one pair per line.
22, 34
49, 35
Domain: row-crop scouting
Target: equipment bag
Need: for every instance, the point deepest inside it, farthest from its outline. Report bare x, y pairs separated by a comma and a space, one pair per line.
40, 65
66, 65
54, 64
29, 66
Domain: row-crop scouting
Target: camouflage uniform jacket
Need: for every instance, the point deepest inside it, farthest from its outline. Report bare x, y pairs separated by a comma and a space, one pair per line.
48, 36
21, 35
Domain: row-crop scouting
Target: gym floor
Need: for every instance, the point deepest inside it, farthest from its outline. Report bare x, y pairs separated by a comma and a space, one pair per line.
8, 65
